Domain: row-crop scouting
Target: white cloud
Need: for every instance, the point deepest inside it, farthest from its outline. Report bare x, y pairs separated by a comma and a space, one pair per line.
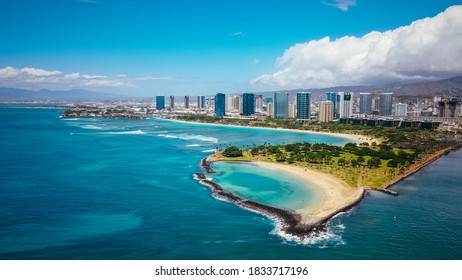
238, 34
427, 49
254, 61
341, 4
152, 78
34, 78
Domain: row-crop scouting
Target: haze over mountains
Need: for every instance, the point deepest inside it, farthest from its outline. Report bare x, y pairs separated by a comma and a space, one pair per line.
427, 88
79, 95
74, 95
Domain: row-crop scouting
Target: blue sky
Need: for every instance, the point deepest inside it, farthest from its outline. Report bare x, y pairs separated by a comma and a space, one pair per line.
145, 48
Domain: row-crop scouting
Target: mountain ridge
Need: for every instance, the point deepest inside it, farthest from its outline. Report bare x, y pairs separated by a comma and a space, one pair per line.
424, 88
427, 88
73, 95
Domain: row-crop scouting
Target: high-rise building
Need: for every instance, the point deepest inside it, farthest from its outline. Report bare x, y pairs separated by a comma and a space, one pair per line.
386, 103
401, 109
248, 104
326, 111
292, 110
220, 107
331, 96
201, 102
376, 104
268, 99
448, 108
208, 103
344, 104
365, 103
281, 105
303, 106
186, 102
237, 103
172, 102
269, 109
229, 103
259, 103
160, 102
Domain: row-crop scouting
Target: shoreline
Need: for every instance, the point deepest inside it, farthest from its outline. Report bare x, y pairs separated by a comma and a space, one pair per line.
337, 197
429, 160
355, 137
310, 220
336, 194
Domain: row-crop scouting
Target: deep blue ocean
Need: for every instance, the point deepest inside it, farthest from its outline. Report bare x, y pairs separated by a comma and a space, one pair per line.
123, 189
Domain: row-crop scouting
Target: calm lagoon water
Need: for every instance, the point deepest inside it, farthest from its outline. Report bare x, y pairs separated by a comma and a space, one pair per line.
265, 185
122, 189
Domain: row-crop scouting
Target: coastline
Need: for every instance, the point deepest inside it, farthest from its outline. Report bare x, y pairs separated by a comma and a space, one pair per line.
354, 137
427, 161
336, 194
337, 197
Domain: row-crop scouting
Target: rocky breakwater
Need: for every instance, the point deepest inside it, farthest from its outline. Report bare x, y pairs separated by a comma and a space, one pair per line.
292, 222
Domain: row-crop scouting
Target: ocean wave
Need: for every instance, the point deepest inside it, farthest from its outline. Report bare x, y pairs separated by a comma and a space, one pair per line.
167, 136
200, 138
209, 151
72, 119
134, 132
90, 126
340, 226
331, 237
193, 145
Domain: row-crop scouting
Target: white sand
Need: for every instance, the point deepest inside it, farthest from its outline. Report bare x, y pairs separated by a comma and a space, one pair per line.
336, 194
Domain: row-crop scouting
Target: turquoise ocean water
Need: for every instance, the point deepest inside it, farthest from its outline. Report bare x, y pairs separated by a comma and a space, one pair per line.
121, 189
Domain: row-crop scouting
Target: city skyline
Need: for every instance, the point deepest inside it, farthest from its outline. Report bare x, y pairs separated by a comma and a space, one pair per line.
153, 48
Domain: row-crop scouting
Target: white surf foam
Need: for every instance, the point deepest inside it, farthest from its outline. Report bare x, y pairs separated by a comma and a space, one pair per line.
73, 119
332, 237
167, 136
90, 126
200, 138
134, 132
209, 151
193, 145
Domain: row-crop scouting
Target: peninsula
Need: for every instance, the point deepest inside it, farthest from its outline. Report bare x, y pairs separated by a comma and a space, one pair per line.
343, 174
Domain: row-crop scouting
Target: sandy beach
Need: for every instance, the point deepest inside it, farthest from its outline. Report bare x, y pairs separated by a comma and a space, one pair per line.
336, 194
354, 137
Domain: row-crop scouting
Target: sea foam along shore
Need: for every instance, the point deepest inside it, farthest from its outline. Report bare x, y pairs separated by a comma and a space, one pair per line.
353, 137
337, 197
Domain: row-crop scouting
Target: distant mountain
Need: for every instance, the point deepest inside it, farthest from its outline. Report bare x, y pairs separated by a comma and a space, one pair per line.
74, 95
453, 84
425, 88
399, 89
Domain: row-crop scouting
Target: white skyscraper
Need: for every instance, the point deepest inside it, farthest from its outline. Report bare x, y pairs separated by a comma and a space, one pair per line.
259, 103
292, 108
401, 110
345, 104
229, 103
